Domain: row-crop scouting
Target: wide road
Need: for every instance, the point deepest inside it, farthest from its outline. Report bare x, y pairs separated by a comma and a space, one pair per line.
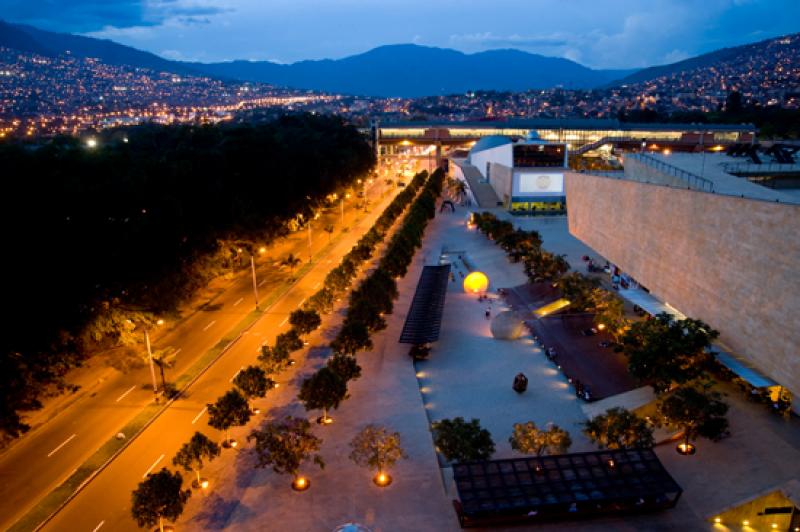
104, 504
48, 456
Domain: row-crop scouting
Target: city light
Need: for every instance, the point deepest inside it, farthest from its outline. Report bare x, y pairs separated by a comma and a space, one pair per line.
301, 484
476, 283
382, 479
91, 143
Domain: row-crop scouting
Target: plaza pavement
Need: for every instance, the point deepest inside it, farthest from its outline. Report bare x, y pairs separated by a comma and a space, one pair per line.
469, 374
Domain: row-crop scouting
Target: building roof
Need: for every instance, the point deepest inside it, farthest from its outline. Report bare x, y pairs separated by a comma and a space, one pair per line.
558, 486
487, 143
600, 124
425, 314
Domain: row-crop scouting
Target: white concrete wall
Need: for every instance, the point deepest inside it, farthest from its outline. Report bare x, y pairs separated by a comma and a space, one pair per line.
501, 155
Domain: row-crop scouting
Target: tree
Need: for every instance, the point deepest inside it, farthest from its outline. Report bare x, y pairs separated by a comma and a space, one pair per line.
304, 321
253, 382
230, 410
578, 289
285, 445
190, 457
527, 438
324, 390
291, 262
328, 229
663, 350
289, 341
697, 410
460, 441
160, 496
345, 366
322, 301
352, 337
543, 266
377, 448
618, 428
273, 359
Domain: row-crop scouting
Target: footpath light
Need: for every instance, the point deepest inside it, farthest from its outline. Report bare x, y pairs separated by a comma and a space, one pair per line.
382, 479
686, 449
476, 283
204, 483
301, 483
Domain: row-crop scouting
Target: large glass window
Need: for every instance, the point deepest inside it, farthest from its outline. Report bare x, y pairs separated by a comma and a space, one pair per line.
539, 155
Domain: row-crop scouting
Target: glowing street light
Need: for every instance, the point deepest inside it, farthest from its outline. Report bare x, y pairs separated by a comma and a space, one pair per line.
301, 483
382, 479
150, 357
91, 143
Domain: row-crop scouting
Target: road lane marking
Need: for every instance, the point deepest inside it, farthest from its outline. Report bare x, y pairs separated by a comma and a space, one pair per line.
207, 327
317, 285
176, 351
152, 466
235, 374
238, 301
203, 411
262, 282
98, 527
284, 321
121, 397
301, 302
54, 451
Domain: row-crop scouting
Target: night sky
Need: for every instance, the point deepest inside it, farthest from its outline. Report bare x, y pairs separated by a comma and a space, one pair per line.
601, 34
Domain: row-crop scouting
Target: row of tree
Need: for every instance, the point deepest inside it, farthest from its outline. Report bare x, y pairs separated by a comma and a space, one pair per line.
138, 222
283, 445
369, 302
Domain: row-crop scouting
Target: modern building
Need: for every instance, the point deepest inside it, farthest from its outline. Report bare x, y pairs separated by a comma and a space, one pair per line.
688, 237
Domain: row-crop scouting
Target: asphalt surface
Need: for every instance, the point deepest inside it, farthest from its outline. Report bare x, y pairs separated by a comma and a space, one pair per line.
47, 457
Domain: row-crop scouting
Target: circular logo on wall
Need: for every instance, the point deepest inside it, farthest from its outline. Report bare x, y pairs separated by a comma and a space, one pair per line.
543, 182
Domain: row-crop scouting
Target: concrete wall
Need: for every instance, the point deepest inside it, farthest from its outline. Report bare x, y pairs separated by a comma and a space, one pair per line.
732, 262
502, 154
501, 177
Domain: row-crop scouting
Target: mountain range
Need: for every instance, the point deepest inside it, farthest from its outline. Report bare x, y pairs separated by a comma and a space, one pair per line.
402, 70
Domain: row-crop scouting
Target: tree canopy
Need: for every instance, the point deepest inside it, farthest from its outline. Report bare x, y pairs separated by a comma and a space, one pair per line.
618, 428
662, 351
696, 409
323, 390
253, 382
192, 454
285, 445
462, 441
527, 438
376, 447
159, 496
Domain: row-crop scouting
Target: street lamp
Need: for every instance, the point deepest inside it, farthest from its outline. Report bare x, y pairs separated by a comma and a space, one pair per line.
150, 358
345, 196
310, 252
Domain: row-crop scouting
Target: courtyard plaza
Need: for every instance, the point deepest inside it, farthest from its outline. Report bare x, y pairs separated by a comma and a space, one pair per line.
469, 374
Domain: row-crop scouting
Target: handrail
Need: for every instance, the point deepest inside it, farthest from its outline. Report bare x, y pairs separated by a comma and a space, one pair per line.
733, 168
693, 180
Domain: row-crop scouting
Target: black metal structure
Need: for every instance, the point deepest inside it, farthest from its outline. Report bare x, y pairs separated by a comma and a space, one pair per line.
425, 315
563, 487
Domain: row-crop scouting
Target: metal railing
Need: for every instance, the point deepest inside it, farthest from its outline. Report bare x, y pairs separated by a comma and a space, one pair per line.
759, 169
693, 180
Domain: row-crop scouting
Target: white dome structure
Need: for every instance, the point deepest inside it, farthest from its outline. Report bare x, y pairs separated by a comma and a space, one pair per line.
507, 326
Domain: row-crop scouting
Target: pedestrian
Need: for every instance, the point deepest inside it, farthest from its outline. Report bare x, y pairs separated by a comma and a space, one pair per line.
488, 312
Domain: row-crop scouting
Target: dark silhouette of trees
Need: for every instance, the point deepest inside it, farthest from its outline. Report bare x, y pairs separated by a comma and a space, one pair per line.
618, 428
304, 321
191, 456
144, 223
345, 366
160, 496
462, 441
253, 382
285, 445
323, 390
697, 410
230, 410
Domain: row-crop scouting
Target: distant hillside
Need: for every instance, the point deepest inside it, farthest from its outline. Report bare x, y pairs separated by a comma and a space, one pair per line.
33, 40
410, 70
741, 56
398, 70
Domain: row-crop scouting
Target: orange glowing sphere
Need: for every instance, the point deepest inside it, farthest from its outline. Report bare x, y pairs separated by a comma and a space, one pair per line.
476, 283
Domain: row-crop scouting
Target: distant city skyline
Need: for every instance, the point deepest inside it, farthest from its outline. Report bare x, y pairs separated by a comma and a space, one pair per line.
613, 34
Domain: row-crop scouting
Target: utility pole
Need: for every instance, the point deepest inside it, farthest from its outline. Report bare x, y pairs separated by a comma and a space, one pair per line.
255, 285
150, 358
310, 253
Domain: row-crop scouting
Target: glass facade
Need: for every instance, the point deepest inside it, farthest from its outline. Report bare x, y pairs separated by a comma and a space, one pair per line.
539, 156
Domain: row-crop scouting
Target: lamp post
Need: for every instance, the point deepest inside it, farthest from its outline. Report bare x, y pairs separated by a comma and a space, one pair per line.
150, 358
255, 285
310, 251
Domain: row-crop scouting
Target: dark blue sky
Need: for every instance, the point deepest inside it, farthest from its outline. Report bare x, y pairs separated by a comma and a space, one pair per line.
603, 34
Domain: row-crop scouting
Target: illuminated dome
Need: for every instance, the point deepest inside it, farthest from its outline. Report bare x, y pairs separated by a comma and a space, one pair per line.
506, 326
476, 283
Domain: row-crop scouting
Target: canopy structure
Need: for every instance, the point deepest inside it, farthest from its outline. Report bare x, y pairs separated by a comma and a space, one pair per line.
563, 487
743, 369
425, 315
650, 304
